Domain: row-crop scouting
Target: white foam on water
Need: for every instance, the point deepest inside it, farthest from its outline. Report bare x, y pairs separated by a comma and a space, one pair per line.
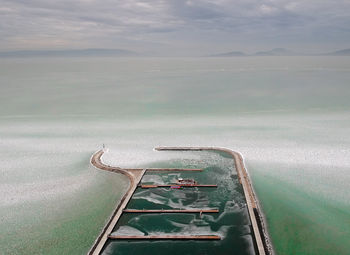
136, 157
191, 229
13, 194
317, 144
211, 218
127, 231
177, 224
308, 149
249, 240
174, 177
285, 147
151, 197
179, 194
180, 205
155, 179
232, 206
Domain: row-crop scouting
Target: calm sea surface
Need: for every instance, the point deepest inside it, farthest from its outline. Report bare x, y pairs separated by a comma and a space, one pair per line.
289, 116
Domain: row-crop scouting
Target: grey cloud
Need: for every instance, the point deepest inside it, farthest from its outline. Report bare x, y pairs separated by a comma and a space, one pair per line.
196, 10
172, 23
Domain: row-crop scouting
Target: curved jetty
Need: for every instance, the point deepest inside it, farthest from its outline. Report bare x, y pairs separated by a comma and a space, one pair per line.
135, 175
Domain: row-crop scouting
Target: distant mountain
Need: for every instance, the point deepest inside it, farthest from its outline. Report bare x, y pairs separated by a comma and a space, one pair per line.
345, 52
273, 52
230, 54
276, 52
70, 53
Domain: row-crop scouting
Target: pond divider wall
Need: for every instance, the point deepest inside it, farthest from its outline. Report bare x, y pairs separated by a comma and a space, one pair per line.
135, 175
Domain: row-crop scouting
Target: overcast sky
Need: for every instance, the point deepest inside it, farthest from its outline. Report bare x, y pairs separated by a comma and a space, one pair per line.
175, 26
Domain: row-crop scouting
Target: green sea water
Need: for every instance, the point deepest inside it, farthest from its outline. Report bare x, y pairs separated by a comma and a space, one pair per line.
289, 116
232, 222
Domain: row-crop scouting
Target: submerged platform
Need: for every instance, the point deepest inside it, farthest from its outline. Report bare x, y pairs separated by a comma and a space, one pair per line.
135, 176
148, 186
175, 169
172, 211
167, 237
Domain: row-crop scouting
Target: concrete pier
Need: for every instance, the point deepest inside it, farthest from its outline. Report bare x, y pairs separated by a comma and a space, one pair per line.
167, 237
262, 240
135, 175
146, 186
175, 169
172, 211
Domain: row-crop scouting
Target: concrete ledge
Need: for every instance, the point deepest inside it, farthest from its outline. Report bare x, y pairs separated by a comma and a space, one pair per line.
135, 175
262, 239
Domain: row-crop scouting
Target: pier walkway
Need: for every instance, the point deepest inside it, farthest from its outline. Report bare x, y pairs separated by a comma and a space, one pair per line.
172, 211
175, 169
135, 175
146, 186
168, 237
248, 193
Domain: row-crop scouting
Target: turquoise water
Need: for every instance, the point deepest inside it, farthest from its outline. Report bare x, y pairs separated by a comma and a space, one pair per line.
289, 116
232, 222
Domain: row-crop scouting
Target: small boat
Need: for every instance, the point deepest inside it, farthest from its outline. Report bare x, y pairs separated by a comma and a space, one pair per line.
186, 181
175, 187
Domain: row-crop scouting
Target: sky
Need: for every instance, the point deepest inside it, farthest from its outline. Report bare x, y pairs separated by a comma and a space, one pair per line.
175, 27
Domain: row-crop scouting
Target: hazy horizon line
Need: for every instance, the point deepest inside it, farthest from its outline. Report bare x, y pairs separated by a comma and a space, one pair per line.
113, 52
